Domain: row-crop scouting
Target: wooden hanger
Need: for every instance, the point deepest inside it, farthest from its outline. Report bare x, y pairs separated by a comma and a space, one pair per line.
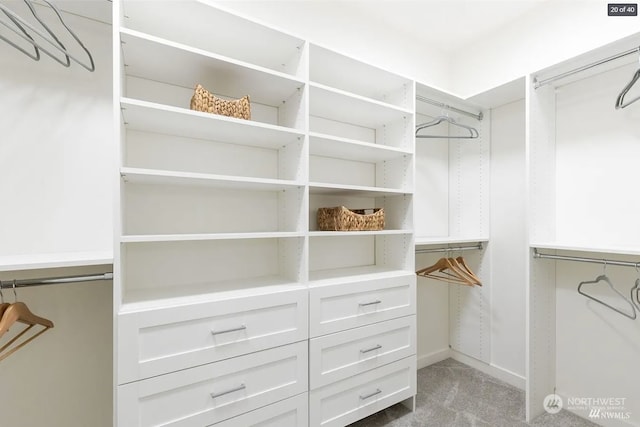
445, 269
19, 312
468, 270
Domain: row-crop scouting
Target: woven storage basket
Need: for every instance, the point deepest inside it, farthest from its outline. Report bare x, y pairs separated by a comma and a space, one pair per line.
203, 100
343, 219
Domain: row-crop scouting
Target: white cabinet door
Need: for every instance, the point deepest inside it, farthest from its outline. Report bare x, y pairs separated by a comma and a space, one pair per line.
215, 392
349, 400
338, 356
292, 412
156, 342
348, 305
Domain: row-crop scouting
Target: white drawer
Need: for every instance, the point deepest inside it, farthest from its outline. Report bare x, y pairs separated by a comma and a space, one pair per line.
292, 412
156, 342
348, 305
349, 400
344, 354
215, 392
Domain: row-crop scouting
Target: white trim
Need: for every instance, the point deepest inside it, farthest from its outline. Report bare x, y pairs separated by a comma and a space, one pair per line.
495, 371
428, 359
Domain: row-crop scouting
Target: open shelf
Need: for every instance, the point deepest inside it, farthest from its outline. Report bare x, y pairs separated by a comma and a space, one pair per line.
351, 149
357, 233
352, 190
338, 105
161, 177
340, 71
54, 260
164, 119
213, 29
620, 250
160, 60
141, 238
148, 299
353, 274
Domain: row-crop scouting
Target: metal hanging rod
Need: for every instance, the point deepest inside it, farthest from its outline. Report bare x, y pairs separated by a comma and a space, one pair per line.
23, 283
452, 249
538, 83
537, 254
477, 116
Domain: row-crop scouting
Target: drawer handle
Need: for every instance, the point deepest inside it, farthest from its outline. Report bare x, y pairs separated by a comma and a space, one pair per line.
364, 304
226, 331
233, 390
365, 397
377, 347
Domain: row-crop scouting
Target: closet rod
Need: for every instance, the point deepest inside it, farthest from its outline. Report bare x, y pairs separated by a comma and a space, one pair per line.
454, 249
538, 83
421, 98
537, 254
23, 283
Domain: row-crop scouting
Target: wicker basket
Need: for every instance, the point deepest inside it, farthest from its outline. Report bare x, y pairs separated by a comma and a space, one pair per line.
343, 219
203, 100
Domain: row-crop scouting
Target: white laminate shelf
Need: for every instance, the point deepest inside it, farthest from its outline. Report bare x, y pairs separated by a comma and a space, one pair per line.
148, 299
150, 238
151, 117
350, 149
162, 177
54, 260
353, 190
358, 233
335, 104
160, 60
354, 274
336, 70
215, 30
618, 250
434, 241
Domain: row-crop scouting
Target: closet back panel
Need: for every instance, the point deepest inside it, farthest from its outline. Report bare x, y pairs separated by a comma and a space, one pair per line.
56, 153
597, 152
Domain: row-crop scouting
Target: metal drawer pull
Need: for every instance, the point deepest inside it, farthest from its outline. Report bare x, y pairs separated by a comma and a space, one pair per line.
377, 347
364, 304
226, 331
378, 391
223, 393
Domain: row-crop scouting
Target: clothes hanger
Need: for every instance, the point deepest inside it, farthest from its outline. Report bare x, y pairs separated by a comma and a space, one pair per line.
19, 312
35, 56
445, 270
620, 101
636, 290
473, 133
603, 278
3, 305
56, 43
468, 270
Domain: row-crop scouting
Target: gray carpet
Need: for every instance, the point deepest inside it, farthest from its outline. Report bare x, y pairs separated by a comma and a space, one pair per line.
453, 394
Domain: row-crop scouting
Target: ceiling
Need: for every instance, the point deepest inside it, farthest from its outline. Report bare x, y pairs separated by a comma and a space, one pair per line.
448, 24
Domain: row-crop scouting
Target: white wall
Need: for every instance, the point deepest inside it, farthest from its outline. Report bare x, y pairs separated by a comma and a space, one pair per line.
552, 32
508, 244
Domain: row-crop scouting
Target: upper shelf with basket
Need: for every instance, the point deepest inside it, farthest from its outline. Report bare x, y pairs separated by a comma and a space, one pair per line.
166, 72
212, 29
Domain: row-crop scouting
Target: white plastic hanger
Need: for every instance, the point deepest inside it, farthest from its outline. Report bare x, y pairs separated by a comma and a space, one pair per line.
620, 101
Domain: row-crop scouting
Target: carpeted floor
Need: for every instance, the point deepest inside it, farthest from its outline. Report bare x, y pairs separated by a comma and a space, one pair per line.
451, 394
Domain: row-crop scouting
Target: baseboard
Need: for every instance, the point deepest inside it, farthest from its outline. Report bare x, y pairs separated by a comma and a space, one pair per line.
508, 377
434, 357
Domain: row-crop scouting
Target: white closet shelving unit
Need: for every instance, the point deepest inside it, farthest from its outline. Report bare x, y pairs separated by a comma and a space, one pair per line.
225, 290
582, 155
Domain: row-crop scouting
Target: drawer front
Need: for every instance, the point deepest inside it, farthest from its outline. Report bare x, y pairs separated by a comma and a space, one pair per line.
215, 392
344, 354
292, 412
349, 305
349, 400
157, 342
